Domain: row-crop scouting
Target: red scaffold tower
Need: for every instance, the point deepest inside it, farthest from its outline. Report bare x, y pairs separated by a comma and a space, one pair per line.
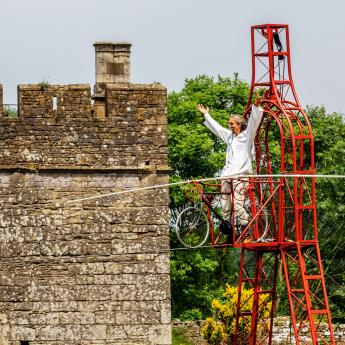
287, 207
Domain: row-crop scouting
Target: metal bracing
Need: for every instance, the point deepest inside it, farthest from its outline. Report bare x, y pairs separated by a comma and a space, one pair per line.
254, 319
290, 203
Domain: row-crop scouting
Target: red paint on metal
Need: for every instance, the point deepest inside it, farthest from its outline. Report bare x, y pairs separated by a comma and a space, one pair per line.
290, 205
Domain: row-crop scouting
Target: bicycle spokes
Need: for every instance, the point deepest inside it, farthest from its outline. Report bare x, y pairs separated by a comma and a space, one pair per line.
192, 227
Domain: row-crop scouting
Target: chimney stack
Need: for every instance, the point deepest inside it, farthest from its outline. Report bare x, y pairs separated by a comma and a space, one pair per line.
112, 66
113, 62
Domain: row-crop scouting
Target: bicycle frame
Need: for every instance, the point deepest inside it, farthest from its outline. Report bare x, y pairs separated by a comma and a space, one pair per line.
200, 188
261, 193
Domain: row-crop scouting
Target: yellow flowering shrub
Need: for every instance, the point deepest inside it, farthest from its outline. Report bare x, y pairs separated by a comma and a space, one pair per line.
220, 328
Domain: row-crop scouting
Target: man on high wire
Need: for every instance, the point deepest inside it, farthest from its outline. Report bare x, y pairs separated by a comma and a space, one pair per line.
239, 141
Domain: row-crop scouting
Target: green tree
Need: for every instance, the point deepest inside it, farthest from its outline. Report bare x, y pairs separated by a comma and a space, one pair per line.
194, 152
329, 132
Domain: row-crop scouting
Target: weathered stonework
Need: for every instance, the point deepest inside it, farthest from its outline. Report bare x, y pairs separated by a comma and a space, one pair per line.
112, 62
282, 332
93, 272
1, 99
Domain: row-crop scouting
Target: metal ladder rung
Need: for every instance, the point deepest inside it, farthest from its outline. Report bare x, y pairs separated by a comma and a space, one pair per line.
306, 207
303, 137
271, 53
268, 83
246, 313
313, 277
292, 108
265, 291
319, 311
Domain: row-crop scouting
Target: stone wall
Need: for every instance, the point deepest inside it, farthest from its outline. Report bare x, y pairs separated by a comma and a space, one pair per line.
1, 99
132, 135
93, 272
282, 332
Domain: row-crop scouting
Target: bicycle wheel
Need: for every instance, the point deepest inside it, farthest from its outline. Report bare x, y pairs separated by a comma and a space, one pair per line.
192, 227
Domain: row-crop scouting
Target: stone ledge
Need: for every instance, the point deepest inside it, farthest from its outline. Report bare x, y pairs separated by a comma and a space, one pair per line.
32, 167
38, 87
134, 87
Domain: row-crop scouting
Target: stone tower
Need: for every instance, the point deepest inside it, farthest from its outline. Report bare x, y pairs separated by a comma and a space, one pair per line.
97, 271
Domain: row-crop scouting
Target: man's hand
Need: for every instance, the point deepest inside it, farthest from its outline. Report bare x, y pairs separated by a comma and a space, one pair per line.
258, 99
202, 109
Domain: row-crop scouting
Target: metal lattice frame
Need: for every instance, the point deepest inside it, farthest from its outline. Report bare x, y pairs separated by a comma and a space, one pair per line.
290, 202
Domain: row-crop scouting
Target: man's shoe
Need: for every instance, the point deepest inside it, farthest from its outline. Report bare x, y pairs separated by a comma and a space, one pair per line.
225, 227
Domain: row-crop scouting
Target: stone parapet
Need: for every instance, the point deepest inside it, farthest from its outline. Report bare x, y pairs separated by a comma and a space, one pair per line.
132, 134
1, 99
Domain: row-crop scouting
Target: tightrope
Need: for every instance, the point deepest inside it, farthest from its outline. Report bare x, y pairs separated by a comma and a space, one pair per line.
165, 185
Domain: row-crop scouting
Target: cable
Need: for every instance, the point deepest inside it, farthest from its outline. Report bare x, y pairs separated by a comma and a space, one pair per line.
198, 180
203, 180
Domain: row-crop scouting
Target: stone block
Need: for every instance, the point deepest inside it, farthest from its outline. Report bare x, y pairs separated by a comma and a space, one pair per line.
161, 335
116, 333
22, 332
94, 332
93, 293
52, 333
123, 292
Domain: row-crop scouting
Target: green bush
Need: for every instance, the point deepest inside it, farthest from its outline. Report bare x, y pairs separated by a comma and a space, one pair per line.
191, 314
179, 338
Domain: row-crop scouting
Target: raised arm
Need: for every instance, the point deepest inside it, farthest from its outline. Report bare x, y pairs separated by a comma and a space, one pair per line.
213, 125
255, 118
254, 121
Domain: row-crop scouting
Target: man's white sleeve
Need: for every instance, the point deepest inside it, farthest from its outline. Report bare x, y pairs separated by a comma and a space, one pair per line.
216, 128
254, 121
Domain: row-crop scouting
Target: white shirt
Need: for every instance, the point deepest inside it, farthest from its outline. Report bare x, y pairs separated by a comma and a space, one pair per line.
239, 150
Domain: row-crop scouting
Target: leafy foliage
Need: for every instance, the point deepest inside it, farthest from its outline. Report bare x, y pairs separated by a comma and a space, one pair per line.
179, 337
194, 152
329, 132
197, 278
221, 327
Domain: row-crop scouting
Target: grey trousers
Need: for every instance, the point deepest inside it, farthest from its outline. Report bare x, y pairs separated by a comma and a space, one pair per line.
237, 190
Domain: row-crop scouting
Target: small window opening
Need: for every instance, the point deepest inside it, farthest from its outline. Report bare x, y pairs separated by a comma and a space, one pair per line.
24, 342
54, 108
147, 162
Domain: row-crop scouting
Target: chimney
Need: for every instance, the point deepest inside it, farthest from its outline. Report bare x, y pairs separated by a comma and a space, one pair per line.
113, 62
112, 66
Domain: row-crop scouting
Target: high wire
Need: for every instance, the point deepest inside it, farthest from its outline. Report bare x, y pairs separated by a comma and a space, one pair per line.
165, 185
197, 180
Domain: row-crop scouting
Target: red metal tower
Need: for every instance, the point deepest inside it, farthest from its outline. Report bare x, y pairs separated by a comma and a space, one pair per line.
287, 207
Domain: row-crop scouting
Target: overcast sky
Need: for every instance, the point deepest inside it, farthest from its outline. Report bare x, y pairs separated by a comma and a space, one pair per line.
172, 40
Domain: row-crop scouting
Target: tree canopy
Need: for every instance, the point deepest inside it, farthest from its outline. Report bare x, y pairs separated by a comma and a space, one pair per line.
199, 276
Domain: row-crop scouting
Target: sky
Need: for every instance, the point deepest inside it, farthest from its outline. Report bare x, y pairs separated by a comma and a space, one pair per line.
172, 40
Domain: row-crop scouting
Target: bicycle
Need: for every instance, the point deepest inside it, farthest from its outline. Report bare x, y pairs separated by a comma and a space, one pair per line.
203, 219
